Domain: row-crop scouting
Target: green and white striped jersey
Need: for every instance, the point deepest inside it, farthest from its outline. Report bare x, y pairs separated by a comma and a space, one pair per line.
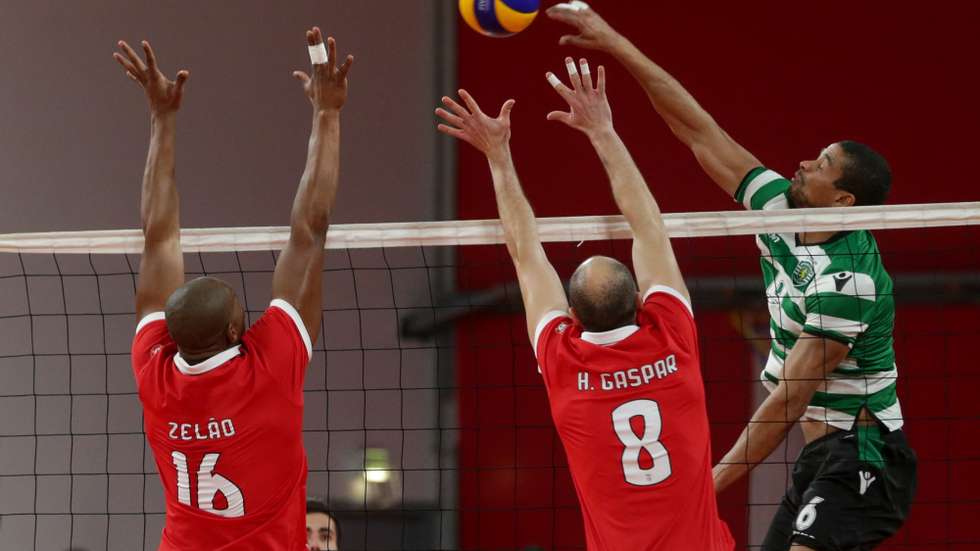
838, 290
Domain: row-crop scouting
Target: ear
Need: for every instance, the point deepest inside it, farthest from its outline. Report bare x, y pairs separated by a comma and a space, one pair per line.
232, 333
571, 314
845, 199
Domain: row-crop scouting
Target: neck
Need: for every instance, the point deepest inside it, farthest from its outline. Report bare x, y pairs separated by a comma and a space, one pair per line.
197, 356
814, 238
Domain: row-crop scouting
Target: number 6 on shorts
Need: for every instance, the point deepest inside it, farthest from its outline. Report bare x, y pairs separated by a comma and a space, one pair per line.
649, 441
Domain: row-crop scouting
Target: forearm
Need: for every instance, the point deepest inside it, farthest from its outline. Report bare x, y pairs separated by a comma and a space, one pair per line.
629, 189
516, 215
159, 201
318, 187
682, 113
761, 437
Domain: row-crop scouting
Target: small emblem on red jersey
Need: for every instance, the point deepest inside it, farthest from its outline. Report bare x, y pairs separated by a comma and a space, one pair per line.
561, 327
156, 350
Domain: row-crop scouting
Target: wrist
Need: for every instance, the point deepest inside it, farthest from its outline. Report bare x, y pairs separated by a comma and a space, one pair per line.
602, 135
498, 155
163, 116
326, 113
616, 44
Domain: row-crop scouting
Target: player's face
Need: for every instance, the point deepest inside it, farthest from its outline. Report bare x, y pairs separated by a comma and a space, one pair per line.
813, 183
321, 532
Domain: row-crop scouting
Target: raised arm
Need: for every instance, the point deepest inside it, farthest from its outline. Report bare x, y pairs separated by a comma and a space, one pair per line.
653, 256
541, 288
807, 366
300, 267
721, 157
162, 263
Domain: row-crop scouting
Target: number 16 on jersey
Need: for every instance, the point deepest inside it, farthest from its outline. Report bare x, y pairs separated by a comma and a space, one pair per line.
649, 441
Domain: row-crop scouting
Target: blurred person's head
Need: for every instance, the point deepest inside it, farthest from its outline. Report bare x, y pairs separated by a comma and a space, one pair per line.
322, 530
204, 317
603, 295
845, 174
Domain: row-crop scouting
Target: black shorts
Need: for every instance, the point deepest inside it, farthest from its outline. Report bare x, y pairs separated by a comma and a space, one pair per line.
851, 491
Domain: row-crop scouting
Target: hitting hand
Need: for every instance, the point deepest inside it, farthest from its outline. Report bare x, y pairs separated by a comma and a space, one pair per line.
592, 30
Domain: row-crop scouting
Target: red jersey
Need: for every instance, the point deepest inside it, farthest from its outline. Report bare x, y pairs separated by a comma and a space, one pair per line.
227, 435
630, 409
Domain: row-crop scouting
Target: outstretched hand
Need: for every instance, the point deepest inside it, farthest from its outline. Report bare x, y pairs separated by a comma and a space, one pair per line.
163, 94
589, 108
592, 31
326, 85
490, 135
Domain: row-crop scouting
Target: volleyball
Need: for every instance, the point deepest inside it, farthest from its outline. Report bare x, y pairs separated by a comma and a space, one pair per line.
499, 18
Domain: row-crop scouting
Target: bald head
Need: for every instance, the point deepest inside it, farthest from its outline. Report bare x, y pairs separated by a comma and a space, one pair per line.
603, 294
204, 317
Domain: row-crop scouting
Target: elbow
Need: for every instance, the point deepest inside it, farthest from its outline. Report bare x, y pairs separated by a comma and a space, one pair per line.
796, 405
312, 221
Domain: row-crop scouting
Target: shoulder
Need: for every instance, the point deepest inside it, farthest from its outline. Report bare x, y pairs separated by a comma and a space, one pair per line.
855, 268
552, 323
280, 320
151, 330
763, 188
668, 296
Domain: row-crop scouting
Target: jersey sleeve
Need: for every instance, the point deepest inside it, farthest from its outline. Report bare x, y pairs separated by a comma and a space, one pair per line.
280, 340
763, 189
151, 338
668, 309
840, 306
546, 337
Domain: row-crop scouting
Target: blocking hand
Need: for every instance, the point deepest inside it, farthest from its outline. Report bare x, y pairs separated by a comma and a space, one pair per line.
470, 124
163, 94
326, 85
589, 108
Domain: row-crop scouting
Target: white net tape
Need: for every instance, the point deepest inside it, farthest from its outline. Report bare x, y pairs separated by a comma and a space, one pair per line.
487, 232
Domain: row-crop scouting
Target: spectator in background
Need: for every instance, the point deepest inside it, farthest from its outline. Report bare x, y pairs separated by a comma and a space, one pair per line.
322, 530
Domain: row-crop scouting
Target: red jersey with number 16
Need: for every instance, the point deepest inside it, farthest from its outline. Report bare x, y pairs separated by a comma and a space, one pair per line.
227, 435
630, 409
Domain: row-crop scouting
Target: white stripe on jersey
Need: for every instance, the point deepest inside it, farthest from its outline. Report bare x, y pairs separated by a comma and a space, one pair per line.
298, 321
148, 319
764, 177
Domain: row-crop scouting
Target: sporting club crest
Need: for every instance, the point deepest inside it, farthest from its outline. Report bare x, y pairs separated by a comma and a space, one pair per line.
804, 273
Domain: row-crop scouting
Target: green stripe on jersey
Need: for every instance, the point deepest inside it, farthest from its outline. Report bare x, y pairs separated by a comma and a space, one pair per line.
837, 290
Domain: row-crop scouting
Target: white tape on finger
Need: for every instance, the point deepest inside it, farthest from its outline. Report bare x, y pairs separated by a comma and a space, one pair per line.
553, 80
318, 54
572, 69
575, 5
585, 68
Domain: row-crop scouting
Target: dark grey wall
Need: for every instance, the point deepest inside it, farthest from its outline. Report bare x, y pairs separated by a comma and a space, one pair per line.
73, 128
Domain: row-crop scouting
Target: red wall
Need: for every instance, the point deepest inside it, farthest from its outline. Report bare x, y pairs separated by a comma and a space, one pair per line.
785, 79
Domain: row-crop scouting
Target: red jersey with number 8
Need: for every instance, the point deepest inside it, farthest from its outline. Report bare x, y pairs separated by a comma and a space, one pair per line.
227, 435
630, 409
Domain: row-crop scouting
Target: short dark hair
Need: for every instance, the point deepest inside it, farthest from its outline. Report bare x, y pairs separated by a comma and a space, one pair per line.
313, 506
865, 174
607, 305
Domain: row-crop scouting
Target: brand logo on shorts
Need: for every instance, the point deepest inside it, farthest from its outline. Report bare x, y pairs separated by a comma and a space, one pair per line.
866, 479
803, 273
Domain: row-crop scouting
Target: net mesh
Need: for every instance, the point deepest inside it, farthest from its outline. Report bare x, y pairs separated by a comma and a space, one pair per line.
426, 424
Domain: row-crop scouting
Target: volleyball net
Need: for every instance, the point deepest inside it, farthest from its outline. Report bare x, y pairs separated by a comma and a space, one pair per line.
426, 424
